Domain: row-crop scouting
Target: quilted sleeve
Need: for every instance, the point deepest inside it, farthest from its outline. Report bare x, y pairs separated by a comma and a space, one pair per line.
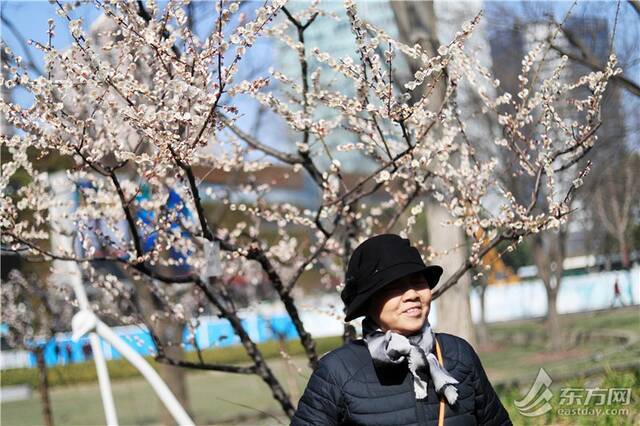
322, 401
489, 409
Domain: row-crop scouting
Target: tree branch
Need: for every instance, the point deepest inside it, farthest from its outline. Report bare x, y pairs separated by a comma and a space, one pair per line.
262, 369
257, 254
587, 59
204, 366
254, 143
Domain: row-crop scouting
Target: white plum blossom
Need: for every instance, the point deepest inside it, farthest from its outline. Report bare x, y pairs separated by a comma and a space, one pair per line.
142, 125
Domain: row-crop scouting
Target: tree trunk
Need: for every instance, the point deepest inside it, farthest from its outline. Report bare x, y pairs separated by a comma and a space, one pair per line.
43, 387
174, 377
549, 254
294, 391
481, 327
349, 333
417, 24
454, 308
167, 332
553, 320
624, 252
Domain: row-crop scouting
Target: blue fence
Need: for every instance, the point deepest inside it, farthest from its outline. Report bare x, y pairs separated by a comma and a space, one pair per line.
211, 333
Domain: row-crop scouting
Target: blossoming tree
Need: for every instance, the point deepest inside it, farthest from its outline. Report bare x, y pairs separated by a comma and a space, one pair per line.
142, 111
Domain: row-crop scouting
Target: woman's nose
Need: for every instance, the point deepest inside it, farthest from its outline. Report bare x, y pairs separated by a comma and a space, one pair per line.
410, 294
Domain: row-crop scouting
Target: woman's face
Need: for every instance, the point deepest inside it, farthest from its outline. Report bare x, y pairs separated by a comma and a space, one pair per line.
403, 305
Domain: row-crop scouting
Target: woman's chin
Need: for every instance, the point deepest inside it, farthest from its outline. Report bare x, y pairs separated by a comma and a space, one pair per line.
411, 325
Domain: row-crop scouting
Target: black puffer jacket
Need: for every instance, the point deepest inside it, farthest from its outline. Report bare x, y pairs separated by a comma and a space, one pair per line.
346, 389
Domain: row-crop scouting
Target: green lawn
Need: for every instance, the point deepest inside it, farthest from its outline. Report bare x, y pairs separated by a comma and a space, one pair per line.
507, 360
220, 398
215, 397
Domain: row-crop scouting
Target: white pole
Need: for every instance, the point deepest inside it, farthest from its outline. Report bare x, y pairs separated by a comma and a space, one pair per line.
104, 382
86, 321
69, 271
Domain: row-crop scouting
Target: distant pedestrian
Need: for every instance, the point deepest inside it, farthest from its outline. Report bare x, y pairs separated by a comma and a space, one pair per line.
86, 351
56, 352
69, 351
617, 294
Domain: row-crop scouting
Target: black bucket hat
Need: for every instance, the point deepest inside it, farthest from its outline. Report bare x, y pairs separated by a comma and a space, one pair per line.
379, 261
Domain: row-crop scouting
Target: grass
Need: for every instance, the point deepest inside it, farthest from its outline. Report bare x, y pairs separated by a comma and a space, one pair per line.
526, 359
215, 398
85, 372
225, 399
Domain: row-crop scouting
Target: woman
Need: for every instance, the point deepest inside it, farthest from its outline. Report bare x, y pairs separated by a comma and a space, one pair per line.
400, 373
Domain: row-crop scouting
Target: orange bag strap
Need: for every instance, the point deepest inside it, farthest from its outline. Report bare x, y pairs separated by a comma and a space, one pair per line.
441, 362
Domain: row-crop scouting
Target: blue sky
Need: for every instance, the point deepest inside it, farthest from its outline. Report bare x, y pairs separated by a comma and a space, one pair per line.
30, 19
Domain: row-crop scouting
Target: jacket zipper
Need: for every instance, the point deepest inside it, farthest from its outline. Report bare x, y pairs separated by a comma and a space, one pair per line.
422, 418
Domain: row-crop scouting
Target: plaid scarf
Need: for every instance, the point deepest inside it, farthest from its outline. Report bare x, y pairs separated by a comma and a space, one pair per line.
393, 348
